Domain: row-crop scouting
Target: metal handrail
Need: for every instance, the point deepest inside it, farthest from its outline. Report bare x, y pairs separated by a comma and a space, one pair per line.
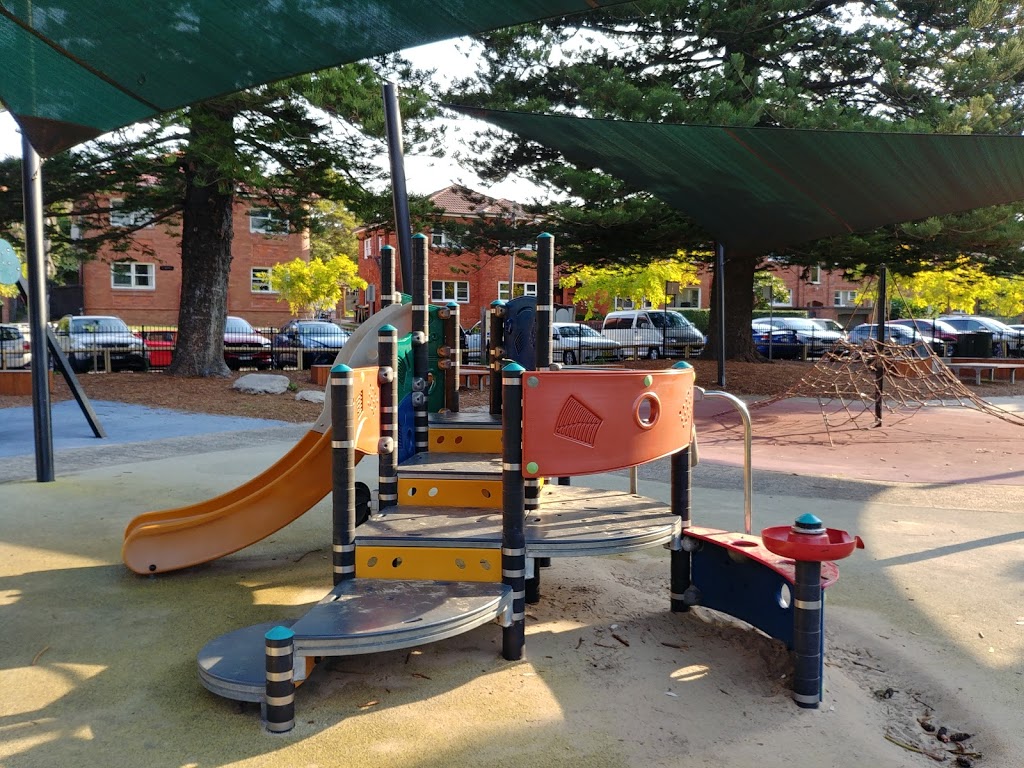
741, 407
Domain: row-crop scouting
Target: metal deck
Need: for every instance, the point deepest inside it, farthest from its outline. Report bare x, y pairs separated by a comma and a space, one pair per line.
571, 522
451, 466
465, 420
358, 616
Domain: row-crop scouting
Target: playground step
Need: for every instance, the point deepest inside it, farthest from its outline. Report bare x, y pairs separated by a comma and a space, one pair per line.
572, 521
465, 432
450, 480
357, 616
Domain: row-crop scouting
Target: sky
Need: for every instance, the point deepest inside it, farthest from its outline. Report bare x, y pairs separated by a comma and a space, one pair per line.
423, 175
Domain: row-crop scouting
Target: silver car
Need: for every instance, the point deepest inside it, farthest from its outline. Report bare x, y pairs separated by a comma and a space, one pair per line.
14, 348
573, 343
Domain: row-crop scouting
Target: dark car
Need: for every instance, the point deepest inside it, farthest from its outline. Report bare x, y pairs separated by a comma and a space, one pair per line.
780, 344
938, 329
245, 347
303, 343
818, 340
897, 334
1005, 339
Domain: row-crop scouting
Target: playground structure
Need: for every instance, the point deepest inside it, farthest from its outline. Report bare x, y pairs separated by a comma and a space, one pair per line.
466, 521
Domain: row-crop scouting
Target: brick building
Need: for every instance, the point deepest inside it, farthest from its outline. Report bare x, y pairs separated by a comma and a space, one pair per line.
143, 286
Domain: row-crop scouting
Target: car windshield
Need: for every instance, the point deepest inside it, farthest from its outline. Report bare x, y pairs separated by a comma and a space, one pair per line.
238, 325
800, 324
668, 320
827, 325
577, 331
99, 325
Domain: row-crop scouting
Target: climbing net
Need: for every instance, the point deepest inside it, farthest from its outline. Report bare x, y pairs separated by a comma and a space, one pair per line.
856, 384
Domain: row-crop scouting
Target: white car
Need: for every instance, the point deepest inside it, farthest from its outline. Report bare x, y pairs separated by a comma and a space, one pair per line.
573, 343
14, 348
98, 341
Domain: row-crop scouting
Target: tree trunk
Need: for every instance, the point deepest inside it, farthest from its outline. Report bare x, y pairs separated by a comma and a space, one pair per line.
739, 308
207, 233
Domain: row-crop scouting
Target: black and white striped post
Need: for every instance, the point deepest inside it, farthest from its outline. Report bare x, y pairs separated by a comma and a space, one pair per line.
807, 621
496, 352
679, 500
545, 299
450, 355
343, 474
279, 699
513, 517
420, 337
387, 378
387, 276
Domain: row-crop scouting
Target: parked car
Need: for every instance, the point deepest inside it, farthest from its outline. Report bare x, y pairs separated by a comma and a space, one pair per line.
935, 328
897, 334
473, 342
303, 343
573, 343
94, 341
779, 343
653, 333
1002, 334
818, 340
245, 347
160, 347
14, 347
828, 324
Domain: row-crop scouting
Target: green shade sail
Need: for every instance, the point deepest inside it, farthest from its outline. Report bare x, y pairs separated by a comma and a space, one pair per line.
758, 189
75, 69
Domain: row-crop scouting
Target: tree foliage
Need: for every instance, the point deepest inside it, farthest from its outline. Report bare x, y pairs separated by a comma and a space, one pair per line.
277, 147
332, 231
314, 286
894, 65
965, 287
598, 287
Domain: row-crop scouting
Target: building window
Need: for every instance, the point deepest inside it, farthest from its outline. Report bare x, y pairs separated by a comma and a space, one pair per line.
267, 222
621, 303
687, 297
787, 302
121, 217
367, 247
132, 275
814, 274
439, 239
518, 289
259, 280
847, 299
449, 290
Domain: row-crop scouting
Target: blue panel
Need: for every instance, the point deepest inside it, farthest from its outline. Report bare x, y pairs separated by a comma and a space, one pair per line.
406, 429
521, 331
744, 588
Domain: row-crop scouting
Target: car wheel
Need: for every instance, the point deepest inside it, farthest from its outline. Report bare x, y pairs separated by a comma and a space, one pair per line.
569, 357
138, 363
80, 365
653, 354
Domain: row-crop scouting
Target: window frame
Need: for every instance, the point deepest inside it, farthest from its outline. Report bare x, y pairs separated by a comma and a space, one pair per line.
814, 274
133, 275
267, 215
529, 289
844, 297
455, 285
126, 219
253, 280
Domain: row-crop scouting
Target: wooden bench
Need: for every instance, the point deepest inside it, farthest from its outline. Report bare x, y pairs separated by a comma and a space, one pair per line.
18, 381
474, 374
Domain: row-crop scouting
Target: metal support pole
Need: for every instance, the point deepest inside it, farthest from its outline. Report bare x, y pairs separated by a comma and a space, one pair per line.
420, 338
343, 474
495, 352
387, 377
720, 309
807, 621
883, 306
399, 194
388, 295
545, 299
513, 517
32, 185
679, 494
279, 702
451, 354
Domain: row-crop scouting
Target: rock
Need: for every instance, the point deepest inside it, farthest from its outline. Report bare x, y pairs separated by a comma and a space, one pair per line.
311, 395
262, 384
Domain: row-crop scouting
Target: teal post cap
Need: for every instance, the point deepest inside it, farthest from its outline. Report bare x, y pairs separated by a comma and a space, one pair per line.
388, 328
513, 368
419, 236
279, 633
498, 303
544, 234
682, 364
341, 368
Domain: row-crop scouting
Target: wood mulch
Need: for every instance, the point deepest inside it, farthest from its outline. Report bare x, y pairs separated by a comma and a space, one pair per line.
216, 395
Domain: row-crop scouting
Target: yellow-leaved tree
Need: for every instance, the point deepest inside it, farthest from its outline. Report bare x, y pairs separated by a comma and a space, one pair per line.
314, 286
964, 288
599, 286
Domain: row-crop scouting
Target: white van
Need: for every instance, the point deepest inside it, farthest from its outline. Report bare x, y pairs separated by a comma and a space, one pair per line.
653, 333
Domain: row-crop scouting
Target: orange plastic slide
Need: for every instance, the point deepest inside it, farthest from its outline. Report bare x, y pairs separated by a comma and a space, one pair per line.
167, 540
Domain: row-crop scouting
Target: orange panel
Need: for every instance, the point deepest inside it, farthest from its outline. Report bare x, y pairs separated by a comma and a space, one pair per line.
366, 393
577, 422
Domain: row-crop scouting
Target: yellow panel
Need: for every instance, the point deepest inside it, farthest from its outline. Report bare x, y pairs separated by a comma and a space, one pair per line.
432, 492
449, 440
428, 563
